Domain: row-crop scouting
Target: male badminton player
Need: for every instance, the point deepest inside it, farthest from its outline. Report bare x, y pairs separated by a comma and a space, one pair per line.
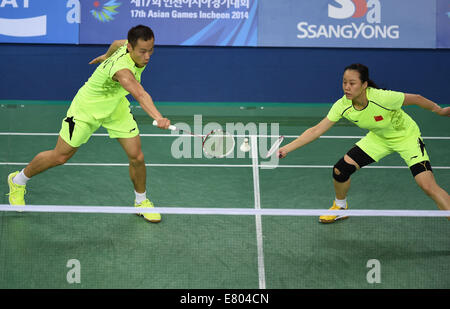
390, 130
102, 101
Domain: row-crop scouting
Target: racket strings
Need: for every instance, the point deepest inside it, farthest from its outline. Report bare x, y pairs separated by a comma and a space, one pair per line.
218, 144
275, 146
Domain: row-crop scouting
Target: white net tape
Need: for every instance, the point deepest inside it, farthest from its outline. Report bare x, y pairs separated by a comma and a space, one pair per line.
225, 211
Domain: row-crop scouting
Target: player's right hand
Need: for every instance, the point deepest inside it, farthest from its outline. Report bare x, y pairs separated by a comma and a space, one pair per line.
163, 123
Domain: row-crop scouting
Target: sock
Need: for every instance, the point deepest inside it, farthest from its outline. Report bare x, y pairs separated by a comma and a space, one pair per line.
341, 203
140, 197
20, 179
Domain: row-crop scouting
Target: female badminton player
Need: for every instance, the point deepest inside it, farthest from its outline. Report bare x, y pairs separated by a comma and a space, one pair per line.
390, 130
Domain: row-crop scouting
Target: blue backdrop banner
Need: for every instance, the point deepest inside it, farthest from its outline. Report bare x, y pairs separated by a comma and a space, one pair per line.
175, 22
443, 24
348, 23
277, 23
39, 21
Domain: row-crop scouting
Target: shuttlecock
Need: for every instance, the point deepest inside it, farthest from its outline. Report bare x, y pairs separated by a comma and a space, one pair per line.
245, 147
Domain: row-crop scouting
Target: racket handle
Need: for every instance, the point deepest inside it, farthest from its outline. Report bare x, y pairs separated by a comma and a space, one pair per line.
171, 127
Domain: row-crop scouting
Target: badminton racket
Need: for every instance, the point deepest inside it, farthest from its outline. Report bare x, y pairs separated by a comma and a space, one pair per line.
217, 143
275, 147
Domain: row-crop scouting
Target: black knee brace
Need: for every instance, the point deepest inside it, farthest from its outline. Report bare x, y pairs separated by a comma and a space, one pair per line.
344, 170
420, 167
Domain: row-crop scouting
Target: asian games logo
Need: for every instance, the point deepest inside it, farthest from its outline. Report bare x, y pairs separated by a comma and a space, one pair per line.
106, 12
371, 28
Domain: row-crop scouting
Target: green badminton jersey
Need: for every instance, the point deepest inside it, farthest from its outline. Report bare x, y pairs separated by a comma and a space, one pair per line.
100, 95
382, 116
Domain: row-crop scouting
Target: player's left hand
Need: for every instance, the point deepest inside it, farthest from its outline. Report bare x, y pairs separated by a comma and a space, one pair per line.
282, 153
444, 111
99, 59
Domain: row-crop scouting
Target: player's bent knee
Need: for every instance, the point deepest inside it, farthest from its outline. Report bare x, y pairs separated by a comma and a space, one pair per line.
62, 159
429, 190
343, 170
137, 158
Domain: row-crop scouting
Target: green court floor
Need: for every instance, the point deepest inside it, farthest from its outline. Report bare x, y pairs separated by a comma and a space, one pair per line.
218, 251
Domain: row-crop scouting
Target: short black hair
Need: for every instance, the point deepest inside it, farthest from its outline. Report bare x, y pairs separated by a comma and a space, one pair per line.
139, 32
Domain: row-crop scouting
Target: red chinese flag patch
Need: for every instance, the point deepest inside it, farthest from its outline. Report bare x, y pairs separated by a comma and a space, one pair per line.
378, 118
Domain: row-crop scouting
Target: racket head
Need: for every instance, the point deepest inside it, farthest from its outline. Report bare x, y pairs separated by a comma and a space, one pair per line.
275, 147
218, 144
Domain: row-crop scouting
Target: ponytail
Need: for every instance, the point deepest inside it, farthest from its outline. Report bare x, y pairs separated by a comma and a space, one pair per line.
372, 84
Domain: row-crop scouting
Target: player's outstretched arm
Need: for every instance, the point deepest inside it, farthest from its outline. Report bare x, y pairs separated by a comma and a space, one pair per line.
307, 137
416, 99
130, 84
112, 48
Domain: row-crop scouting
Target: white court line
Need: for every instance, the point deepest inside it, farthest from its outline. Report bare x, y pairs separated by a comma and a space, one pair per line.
214, 165
224, 211
222, 165
235, 135
256, 191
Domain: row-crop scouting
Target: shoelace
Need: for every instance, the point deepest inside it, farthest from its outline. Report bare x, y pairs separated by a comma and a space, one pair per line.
16, 189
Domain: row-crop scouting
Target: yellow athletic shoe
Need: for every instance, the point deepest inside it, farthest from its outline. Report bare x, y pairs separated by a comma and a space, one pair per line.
332, 219
16, 192
154, 218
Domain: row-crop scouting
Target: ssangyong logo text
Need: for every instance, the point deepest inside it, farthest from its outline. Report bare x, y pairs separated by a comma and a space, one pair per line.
361, 19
